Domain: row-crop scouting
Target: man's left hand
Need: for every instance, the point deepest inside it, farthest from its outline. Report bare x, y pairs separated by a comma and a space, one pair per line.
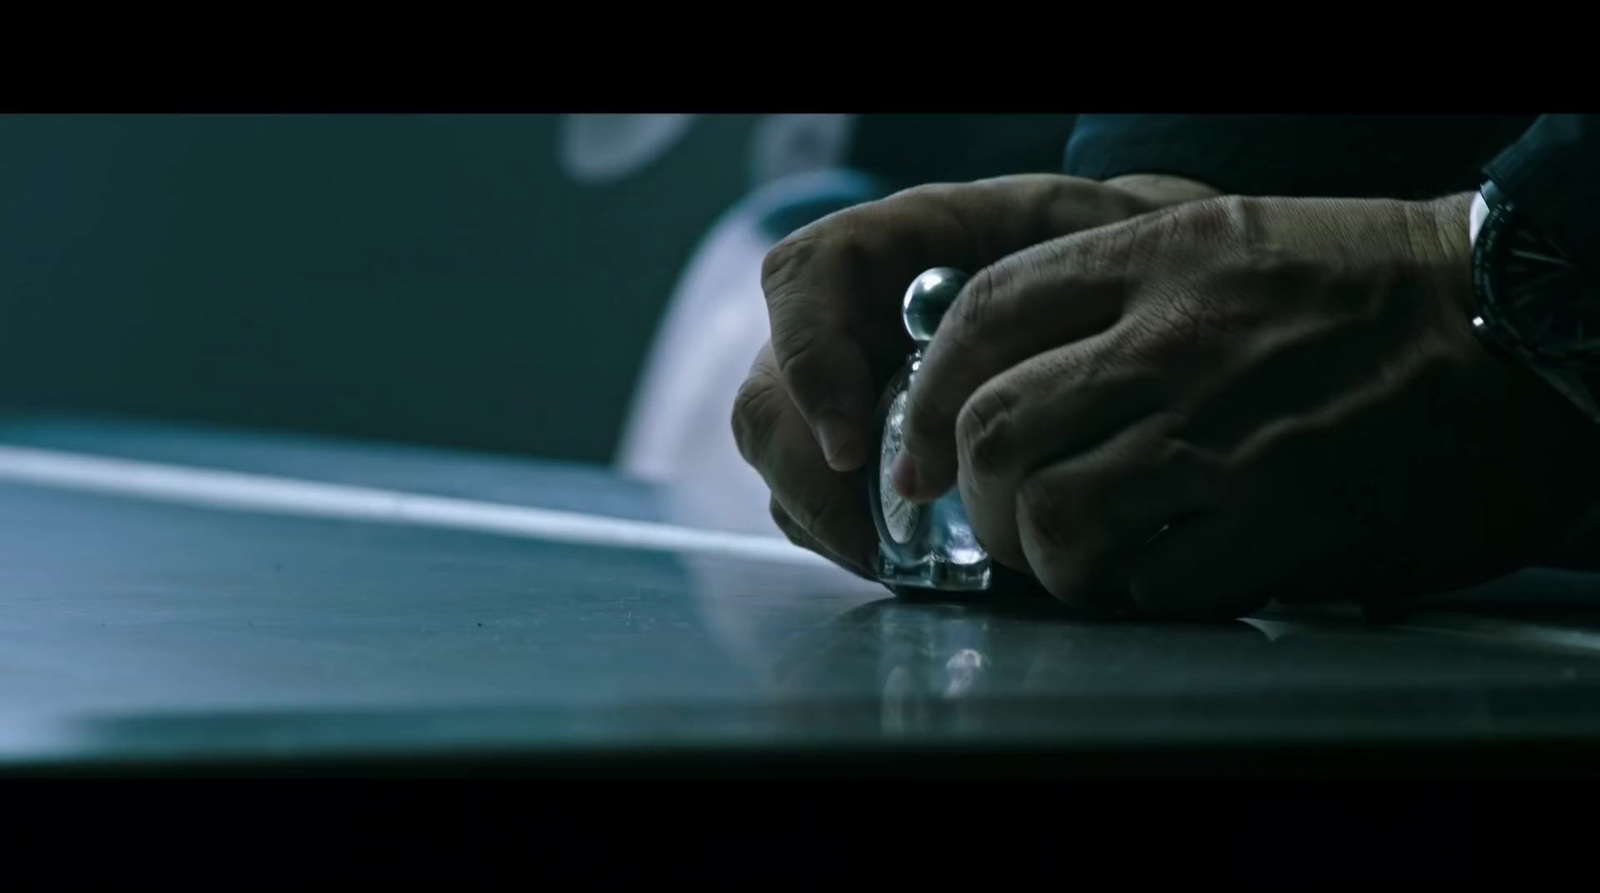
1200, 409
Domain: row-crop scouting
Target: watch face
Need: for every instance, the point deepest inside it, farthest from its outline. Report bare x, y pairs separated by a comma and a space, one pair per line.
1538, 296
900, 517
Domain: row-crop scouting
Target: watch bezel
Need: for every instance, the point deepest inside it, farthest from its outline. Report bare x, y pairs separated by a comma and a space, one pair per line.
1494, 235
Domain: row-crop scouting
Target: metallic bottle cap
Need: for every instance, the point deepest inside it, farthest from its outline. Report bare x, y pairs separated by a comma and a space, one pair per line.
926, 301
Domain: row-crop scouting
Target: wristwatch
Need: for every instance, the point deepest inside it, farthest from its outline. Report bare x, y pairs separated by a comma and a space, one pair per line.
1533, 302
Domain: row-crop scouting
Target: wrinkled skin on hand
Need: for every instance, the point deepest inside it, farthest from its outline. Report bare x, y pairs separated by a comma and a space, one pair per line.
833, 290
1194, 411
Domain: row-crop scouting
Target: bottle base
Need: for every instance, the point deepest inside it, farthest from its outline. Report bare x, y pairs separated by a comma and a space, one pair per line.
934, 572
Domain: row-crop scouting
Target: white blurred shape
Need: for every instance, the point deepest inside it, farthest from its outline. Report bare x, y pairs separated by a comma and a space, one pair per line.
794, 144
679, 432
606, 148
679, 428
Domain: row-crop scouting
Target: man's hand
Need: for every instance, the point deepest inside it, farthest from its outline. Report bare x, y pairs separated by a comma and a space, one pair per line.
833, 289
1238, 399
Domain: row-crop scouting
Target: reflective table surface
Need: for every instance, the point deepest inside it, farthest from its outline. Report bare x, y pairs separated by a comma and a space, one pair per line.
147, 617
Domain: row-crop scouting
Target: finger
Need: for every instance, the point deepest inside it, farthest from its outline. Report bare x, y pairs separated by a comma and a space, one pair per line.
1043, 411
831, 507
1081, 521
798, 536
1016, 309
834, 287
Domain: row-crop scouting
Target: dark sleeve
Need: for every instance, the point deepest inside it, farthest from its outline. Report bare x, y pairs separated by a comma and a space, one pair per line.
1365, 156
1553, 174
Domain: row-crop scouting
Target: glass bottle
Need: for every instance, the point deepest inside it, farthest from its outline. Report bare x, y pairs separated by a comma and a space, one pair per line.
921, 546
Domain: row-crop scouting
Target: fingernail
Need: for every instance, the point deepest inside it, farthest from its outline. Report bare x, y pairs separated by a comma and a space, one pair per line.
903, 474
839, 443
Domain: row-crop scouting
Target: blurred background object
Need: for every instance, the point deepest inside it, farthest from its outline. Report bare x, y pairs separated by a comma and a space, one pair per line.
432, 279
795, 144
607, 148
483, 282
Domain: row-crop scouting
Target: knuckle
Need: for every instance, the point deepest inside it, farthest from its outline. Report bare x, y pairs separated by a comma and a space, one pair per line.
816, 508
843, 242
1002, 300
1170, 454
791, 274
1064, 577
984, 433
1171, 343
798, 536
754, 418
1044, 509
1177, 329
779, 516
801, 278
1063, 582
786, 524
782, 263
1174, 453
926, 193
1227, 216
798, 348
974, 312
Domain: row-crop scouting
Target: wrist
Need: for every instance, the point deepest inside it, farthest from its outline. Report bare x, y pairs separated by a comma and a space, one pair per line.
1447, 224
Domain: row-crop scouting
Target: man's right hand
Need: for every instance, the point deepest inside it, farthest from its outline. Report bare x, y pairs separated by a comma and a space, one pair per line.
803, 417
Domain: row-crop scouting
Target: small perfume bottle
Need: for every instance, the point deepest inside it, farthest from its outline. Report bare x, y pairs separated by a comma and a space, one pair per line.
924, 546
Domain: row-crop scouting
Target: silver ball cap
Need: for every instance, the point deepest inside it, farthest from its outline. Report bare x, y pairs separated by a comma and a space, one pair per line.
926, 301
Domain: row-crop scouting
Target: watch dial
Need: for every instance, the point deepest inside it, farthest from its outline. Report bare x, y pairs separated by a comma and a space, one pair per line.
899, 515
1544, 299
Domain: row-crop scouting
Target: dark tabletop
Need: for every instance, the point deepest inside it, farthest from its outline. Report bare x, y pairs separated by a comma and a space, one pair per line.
159, 630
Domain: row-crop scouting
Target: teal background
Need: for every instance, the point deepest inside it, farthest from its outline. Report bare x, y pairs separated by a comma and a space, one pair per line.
433, 279
426, 278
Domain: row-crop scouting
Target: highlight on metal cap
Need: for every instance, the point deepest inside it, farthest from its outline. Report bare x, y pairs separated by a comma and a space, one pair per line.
926, 301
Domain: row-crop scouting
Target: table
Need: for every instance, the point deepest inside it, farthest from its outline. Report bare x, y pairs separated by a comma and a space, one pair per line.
177, 599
